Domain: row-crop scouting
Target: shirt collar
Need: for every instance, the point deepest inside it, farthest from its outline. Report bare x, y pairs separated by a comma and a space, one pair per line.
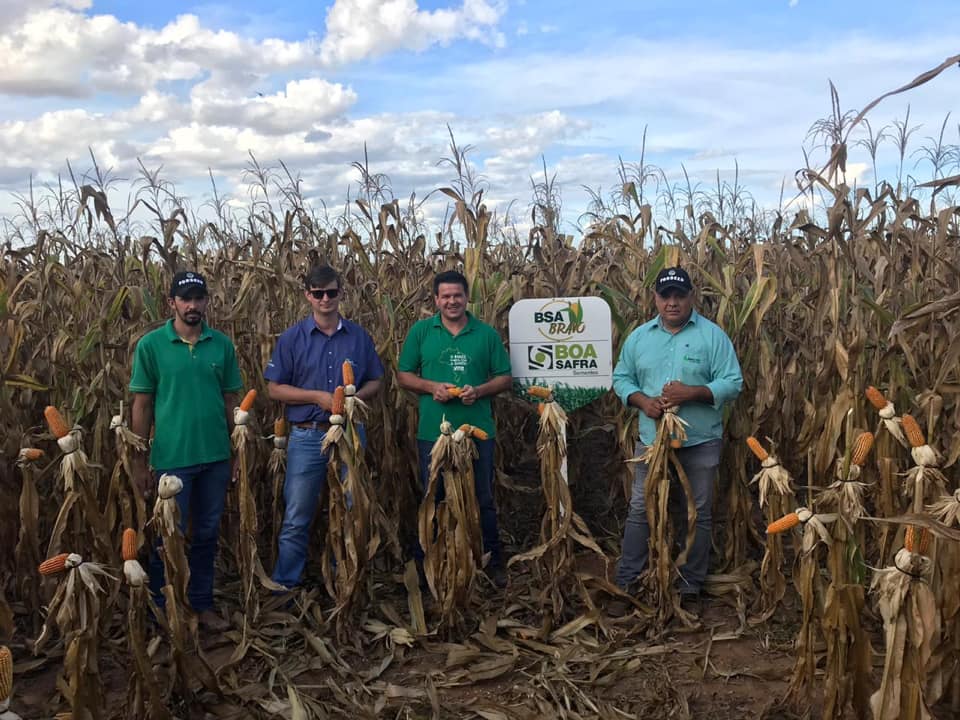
172, 336
310, 325
471, 321
657, 322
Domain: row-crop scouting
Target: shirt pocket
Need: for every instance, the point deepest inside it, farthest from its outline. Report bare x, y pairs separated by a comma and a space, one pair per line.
694, 367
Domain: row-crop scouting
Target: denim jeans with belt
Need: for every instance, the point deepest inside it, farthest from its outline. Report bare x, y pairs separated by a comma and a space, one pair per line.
483, 485
201, 502
303, 485
700, 463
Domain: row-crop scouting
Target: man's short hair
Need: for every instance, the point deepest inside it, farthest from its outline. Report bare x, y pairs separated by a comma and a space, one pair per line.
451, 277
319, 276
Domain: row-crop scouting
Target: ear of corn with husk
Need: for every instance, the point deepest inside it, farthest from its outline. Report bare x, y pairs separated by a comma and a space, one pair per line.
561, 529
74, 466
6, 677
352, 529
450, 529
888, 415
924, 481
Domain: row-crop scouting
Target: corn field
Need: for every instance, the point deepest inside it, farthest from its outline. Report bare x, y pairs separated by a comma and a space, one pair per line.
860, 288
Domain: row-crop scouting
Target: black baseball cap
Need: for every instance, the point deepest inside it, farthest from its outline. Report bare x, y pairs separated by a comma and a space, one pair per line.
185, 282
673, 277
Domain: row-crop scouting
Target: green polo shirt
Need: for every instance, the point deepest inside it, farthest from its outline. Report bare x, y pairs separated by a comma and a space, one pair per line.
187, 383
471, 357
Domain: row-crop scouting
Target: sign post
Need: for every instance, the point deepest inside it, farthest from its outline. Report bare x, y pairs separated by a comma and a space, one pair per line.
563, 343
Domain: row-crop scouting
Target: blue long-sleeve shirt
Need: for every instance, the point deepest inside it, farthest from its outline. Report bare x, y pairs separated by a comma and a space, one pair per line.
699, 354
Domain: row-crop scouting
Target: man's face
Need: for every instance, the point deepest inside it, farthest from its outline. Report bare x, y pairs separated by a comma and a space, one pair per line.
190, 309
324, 298
674, 306
451, 300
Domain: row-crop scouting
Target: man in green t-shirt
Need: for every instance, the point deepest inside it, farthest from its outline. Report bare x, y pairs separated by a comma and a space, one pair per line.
455, 349
184, 383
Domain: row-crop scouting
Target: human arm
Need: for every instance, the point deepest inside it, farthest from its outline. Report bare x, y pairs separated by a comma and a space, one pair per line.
494, 386
141, 420
628, 379
292, 395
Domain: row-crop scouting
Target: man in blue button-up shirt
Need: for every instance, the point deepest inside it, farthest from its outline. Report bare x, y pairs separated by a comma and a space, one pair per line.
677, 359
305, 369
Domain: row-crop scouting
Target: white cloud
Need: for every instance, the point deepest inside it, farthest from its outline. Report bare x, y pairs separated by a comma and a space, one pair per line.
358, 29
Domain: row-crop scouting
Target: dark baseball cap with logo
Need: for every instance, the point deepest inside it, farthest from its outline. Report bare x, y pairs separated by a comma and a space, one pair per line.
188, 283
673, 278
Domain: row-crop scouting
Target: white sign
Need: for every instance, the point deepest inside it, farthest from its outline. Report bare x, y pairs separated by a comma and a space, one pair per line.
563, 343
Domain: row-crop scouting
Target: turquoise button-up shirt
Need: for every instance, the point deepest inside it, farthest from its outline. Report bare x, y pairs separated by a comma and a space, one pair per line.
699, 354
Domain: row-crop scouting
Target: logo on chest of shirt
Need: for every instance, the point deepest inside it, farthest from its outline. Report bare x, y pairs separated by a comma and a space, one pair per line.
455, 359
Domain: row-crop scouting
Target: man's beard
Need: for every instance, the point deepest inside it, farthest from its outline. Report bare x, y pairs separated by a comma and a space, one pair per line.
192, 318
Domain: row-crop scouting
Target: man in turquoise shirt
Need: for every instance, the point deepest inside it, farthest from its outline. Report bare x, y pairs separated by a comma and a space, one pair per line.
681, 359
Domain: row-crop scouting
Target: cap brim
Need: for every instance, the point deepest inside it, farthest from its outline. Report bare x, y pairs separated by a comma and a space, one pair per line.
673, 286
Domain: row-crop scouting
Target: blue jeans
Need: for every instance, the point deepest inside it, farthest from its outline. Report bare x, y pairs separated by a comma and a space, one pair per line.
700, 463
302, 487
201, 501
483, 484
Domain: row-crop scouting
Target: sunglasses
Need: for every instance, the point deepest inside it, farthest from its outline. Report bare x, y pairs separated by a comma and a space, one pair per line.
321, 294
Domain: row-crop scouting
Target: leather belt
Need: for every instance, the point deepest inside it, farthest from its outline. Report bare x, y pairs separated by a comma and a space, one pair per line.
313, 425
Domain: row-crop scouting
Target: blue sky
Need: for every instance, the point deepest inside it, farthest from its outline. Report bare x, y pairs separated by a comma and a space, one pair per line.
718, 85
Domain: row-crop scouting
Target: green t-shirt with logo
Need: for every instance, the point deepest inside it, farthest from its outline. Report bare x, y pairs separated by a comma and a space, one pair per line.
187, 383
472, 357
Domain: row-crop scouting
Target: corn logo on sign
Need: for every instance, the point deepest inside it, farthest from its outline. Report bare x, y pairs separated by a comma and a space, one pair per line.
564, 343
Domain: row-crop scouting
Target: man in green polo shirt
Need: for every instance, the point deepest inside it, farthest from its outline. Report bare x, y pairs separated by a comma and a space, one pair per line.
454, 349
184, 383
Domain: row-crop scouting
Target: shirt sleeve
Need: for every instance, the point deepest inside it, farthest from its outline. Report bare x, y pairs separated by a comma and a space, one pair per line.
280, 367
410, 359
232, 382
727, 378
143, 378
627, 376
499, 357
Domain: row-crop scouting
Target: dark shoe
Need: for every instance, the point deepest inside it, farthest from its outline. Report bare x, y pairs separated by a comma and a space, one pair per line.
497, 575
691, 603
618, 608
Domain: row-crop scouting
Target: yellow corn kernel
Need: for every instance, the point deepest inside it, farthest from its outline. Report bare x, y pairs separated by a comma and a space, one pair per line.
338, 401
785, 523
247, 401
913, 432
51, 566
861, 448
876, 398
757, 448
58, 426
454, 391
129, 545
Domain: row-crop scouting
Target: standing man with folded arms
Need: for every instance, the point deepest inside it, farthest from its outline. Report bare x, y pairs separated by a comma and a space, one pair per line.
678, 358
305, 369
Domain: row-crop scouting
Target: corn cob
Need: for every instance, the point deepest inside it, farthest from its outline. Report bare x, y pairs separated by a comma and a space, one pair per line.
788, 521
757, 448
916, 540
676, 443
129, 546
58, 426
466, 428
6, 674
861, 448
454, 391
347, 371
338, 401
280, 427
479, 433
913, 431
30, 454
51, 566
247, 401
538, 391
876, 398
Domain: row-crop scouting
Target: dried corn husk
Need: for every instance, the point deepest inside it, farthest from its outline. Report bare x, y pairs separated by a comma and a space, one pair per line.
888, 415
